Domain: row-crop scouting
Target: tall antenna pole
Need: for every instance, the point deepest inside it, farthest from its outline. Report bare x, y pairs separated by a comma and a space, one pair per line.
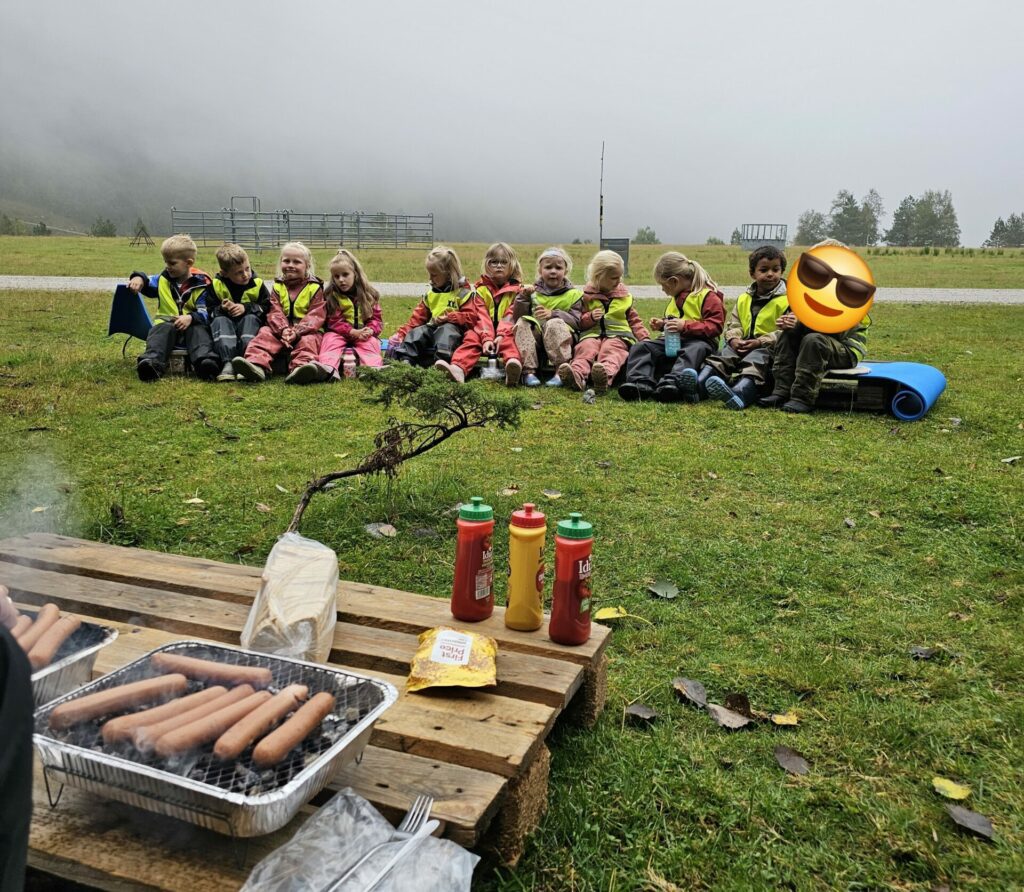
600, 212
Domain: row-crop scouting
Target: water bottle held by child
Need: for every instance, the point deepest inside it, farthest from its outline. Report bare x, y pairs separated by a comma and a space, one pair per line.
672, 344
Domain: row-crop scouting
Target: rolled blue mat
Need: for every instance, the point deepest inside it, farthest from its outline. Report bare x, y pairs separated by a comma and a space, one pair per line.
918, 386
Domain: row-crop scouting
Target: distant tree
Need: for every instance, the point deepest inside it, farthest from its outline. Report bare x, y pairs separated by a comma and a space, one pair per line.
901, 233
714, 240
736, 238
811, 228
646, 236
1008, 233
846, 221
576, 241
103, 228
40, 229
7, 226
871, 209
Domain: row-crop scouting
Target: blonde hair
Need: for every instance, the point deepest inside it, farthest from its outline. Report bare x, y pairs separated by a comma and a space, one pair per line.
556, 251
603, 263
672, 264
230, 255
366, 296
504, 251
179, 247
306, 255
446, 260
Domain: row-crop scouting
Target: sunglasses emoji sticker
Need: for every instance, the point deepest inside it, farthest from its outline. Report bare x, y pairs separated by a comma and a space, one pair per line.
830, 288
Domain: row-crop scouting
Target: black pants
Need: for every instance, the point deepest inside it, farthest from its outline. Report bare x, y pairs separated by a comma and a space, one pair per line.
164, 337
648, 365
802, 357
427, 343
231, 335
15, 761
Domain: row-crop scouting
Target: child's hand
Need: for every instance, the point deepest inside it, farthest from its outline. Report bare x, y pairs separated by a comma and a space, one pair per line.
786, 321
542, 313
528, 290
597, 314
362, 334
182, 322
234, 310
673, 323
489, 347
441, 320
288, 336
657, 324
135, 283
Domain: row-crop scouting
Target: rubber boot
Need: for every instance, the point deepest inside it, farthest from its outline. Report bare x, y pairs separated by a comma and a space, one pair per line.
687, 383
702, 382
745, 390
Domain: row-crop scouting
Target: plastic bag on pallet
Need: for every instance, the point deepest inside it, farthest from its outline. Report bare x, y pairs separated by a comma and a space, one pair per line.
296, 607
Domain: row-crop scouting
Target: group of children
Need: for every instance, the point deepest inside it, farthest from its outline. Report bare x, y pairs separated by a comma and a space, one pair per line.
235, 326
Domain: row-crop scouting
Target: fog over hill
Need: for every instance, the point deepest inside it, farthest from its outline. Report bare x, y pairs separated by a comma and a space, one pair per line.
492, 117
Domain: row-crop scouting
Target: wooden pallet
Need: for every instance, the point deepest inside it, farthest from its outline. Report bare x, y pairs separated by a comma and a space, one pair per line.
481, 754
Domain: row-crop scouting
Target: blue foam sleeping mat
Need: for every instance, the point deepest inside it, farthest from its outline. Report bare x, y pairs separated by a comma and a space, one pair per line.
907, 390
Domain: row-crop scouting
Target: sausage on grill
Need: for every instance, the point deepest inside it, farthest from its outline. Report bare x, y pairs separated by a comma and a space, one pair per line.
276, 745
233, 742
210, 670
117, 699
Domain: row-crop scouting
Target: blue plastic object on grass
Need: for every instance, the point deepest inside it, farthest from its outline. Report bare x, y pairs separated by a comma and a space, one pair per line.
918, 386
128, 314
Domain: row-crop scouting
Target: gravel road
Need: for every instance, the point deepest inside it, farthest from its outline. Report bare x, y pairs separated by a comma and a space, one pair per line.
414, 289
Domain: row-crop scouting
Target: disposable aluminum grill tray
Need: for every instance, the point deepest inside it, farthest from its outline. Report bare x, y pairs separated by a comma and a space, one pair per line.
230, 797
73, 664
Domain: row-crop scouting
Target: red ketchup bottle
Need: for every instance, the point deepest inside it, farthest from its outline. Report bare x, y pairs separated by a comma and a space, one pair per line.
473, 589
570, 600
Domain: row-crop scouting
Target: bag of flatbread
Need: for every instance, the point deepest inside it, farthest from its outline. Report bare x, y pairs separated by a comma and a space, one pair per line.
296, 607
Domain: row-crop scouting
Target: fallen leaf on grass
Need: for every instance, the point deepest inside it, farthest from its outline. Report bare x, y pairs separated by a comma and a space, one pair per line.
785, 718
962, 617
244, 549
39, 509
261, 458
508, 491
340, 455
923, 653
726, 718
280, 488
1012, 460
850, 522
380, 530
607, 614
740, 703
183, 521
640, 714
955, 421
951, 790
604, 465
266, 509
515, 448
712, 475
663, 588
875, 514
691, 690
791, 760
424, 533
551, 493
194, 502
971, 821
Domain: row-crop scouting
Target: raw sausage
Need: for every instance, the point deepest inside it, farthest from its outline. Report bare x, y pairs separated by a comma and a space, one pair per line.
276, 745
209, 670
121, 728
233, 742
146, 736
208, 729
19, 627
45, 649
46, 617
116, 699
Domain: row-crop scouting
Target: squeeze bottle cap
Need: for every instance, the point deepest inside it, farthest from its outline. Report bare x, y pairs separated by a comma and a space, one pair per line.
575, 527
528, 516
477, 510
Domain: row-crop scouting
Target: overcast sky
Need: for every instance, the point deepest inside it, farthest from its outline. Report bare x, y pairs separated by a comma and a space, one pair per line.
492, 115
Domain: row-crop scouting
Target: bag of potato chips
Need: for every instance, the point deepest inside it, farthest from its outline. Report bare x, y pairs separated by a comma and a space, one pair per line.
453, 658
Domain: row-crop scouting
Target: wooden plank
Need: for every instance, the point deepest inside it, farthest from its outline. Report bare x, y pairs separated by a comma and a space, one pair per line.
134, 566
389, 608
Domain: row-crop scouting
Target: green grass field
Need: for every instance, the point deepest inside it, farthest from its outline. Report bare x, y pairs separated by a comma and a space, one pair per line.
811, 553
67, 256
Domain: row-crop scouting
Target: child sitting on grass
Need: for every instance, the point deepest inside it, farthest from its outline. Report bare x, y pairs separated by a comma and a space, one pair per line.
354, 319
294, 322
498, 286
609, 326
545, 323
736, 373
181, 312
696, 311
238, 308
450, 324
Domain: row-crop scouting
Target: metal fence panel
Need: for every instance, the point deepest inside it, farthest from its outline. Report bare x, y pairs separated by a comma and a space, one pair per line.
271, 229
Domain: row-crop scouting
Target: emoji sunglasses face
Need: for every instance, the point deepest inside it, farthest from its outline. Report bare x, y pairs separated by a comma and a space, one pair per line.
850, 291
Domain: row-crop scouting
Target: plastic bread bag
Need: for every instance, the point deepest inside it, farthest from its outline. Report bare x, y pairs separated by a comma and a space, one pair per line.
453, 658
296, 607
338, 835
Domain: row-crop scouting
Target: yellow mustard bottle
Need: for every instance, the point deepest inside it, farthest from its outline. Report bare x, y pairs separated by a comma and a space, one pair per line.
526, 532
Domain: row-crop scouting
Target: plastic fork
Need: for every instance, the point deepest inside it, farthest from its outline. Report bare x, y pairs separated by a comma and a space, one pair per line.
414, 819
